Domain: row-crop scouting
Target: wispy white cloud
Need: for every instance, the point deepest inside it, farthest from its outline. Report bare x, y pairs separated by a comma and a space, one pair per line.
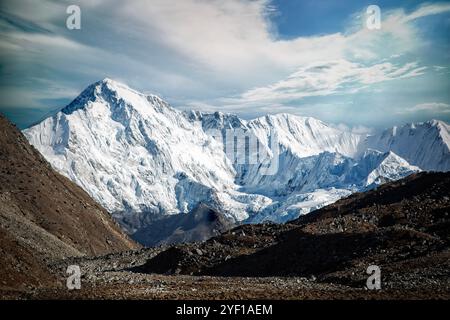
434, 107
225, 54
233, 40
354, 129
440, 68
425, 10
333, 77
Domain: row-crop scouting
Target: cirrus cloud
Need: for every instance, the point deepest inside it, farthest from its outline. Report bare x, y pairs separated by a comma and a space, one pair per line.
332, 77
222, 54
434, 107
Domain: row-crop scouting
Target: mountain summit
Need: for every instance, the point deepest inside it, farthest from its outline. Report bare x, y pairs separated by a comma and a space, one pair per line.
143, 160
138, 157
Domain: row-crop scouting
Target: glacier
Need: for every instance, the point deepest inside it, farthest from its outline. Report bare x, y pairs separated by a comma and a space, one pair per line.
142, 160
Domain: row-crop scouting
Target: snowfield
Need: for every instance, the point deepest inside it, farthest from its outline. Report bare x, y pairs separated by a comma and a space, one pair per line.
142, 159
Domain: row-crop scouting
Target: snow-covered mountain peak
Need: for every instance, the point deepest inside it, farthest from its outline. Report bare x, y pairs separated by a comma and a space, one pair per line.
444, 130
108, 85
217, 120
423, 144
391, 156
142, 159
306, 136
435, 122
135, 154
116, 96
390, 167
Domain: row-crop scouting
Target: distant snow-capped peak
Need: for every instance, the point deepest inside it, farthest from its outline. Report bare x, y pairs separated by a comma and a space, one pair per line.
306, 136
425, 144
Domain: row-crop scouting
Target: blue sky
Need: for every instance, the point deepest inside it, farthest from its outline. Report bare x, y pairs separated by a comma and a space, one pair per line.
306, 17
312, 58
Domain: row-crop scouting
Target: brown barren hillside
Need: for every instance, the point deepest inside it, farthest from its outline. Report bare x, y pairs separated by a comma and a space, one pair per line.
45, 217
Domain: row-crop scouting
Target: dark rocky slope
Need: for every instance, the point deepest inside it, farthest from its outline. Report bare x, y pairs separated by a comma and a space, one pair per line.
45, 217
403, 227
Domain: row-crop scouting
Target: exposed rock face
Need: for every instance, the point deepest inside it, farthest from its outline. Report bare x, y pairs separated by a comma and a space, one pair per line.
199, 225
44, 216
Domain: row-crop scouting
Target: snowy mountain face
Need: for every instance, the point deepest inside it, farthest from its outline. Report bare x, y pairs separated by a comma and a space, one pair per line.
139, 157
143, 160
425, 145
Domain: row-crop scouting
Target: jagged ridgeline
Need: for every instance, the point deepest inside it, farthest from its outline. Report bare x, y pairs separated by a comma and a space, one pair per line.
144, 161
